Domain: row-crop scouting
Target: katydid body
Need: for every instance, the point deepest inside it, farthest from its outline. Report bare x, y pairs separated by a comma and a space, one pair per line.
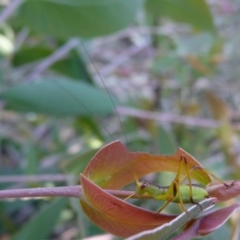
162, 193
177, 191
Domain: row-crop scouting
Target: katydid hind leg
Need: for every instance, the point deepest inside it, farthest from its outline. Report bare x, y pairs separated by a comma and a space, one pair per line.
213, 176
179, 180
189, 177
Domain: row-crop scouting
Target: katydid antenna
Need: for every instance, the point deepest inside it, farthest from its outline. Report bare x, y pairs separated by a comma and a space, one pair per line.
106, 89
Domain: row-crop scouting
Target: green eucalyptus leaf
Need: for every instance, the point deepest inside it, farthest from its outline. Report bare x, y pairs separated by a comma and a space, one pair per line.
58, 96
85, 18
40, 226
195, 13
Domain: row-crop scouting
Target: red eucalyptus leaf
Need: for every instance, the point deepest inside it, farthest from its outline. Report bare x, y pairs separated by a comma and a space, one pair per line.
223, 193
115, 215
208, 224
215, 220
112, 167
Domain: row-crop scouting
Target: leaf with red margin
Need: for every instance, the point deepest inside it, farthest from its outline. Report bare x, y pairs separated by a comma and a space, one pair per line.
207, 224
223, 193
215, 220
117, 216
112, 167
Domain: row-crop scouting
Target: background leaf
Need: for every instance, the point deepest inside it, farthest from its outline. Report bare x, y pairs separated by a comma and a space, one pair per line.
58, 96
40, 226
195, 13
85, 18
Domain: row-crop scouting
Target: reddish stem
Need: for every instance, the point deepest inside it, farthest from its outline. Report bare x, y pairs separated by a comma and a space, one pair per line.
66, 191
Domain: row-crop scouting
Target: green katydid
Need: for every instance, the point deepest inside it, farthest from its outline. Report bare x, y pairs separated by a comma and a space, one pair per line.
176, 191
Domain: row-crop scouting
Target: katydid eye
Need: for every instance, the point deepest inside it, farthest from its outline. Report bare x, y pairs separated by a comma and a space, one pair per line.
144, 184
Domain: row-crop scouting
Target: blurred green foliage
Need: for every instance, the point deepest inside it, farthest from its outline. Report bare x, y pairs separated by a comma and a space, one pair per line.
161, 56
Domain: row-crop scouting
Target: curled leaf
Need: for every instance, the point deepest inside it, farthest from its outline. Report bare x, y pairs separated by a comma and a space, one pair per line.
115, 215
222, 192
112, 167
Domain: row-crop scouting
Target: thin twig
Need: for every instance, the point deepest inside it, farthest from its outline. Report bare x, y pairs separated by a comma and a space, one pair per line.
9, 10
56, 56
172, 118
34, 178
120, 59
